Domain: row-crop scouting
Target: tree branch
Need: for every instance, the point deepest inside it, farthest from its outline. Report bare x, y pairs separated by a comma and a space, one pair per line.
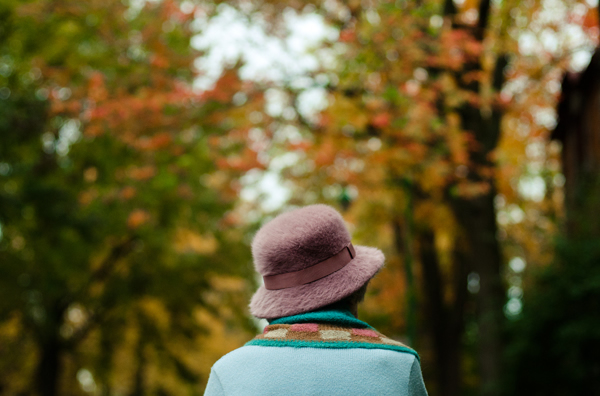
449, 8
484, 17
118, 252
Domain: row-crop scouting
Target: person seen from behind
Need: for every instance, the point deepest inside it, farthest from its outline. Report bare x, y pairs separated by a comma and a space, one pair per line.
314, 344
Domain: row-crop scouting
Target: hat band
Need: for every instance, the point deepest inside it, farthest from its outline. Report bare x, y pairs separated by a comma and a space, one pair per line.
312, 273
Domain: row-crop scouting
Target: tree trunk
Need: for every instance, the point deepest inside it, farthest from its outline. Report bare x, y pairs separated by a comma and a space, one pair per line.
478, 217
51, 349
139, 387
478, 220
48, 370
445, 318
404, 241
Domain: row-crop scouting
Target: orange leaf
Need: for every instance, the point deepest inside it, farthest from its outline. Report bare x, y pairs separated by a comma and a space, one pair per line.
137, 218
381, 120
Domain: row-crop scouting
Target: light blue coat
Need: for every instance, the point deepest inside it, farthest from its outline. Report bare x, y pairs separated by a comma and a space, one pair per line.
289, 370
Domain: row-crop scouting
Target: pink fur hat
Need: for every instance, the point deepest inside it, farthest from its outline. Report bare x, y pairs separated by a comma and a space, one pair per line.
306, 238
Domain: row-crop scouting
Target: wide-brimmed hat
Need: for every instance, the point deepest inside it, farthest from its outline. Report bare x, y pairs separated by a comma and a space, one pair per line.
307, 261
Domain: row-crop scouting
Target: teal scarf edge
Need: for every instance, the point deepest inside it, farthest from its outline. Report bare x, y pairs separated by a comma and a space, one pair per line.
339, 316
332, 345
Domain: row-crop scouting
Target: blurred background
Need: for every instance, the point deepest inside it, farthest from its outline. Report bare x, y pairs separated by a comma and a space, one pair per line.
142, 143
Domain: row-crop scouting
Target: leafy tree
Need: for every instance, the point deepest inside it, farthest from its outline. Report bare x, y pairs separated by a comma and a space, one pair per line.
557, 334
419, 94
118, 245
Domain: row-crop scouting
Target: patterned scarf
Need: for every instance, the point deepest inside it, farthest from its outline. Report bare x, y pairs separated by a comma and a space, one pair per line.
325, 329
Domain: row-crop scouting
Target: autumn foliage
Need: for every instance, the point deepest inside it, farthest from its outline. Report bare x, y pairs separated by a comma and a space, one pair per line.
124, 212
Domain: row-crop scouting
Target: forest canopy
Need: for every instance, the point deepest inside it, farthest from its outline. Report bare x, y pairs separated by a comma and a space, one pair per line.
143, 142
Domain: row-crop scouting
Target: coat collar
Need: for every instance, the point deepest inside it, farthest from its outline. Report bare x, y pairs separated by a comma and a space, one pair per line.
341, 317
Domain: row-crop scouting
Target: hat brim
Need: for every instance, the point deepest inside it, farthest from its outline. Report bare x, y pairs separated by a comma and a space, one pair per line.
271, 304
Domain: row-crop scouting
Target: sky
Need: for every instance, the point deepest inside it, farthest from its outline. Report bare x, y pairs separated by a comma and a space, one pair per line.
288, 60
